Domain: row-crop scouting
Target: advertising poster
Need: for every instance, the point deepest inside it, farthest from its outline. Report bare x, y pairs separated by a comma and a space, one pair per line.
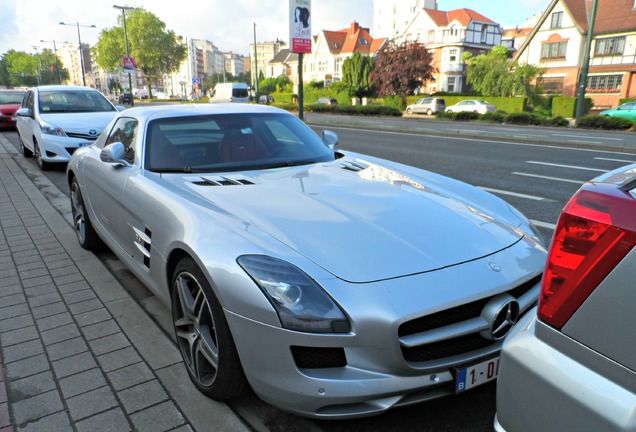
129, 65
300, 26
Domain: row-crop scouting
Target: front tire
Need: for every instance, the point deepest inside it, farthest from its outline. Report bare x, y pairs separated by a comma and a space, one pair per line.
86, 235
409, 111
44, 165
203, 335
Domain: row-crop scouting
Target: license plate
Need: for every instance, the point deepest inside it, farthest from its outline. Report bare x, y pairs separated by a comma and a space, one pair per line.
477, 374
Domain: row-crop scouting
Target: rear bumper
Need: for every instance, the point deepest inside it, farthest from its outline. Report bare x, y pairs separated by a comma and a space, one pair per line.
540, 388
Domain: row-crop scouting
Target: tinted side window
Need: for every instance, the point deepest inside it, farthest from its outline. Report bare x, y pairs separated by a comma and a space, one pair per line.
125, 131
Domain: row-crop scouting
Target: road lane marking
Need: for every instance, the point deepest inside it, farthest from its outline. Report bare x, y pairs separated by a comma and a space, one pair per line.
543, 224
567, 166
585, 142
616, 160
587, 136
549, 178
515, 194
452, 138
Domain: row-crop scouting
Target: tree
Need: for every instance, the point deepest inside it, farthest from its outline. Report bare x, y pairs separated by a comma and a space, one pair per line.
494, 74
356, 71
156, 50
5, 78
401, 69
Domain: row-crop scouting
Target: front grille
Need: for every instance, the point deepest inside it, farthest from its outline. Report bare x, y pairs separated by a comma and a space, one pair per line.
446, 348
82, 136
318, 358
452, 346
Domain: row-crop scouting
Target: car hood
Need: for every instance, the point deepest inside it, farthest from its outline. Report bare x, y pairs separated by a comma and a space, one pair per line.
80, 122
9, 108
363, 221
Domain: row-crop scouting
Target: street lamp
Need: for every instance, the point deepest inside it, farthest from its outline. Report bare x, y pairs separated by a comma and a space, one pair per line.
123, 14
79, 38
37, 54
57, 62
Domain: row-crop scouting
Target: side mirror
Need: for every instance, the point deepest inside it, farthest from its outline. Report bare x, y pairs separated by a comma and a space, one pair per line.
114, 154
24, 112
331, 139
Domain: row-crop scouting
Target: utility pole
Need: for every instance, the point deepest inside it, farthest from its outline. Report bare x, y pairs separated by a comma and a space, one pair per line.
81, 51
580, 101
255, 66
123, 14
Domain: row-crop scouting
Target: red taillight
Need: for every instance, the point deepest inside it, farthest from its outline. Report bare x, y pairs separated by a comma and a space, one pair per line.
594, 233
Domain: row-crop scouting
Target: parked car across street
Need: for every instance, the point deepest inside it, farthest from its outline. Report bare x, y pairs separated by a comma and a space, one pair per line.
429, 105
626, 110
470, 105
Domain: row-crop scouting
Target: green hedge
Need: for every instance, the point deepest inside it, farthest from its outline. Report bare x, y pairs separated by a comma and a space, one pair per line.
361, 110
605, 122
566, 106
622, 101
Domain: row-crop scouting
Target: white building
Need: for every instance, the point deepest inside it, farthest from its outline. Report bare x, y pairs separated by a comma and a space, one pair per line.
390, 17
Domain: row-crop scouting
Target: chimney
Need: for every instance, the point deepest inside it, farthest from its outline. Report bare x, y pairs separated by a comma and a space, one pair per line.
355, 26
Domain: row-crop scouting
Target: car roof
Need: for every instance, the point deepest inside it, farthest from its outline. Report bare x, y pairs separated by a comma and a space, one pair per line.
169, 111
62, 88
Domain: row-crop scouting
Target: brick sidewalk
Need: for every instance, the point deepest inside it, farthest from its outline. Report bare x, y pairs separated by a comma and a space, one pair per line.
76, 352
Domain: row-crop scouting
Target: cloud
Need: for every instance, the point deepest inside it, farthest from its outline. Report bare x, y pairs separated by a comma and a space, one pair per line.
229, 25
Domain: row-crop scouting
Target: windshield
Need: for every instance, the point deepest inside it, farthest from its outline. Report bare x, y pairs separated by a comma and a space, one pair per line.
232, 142
11, 97
73, 101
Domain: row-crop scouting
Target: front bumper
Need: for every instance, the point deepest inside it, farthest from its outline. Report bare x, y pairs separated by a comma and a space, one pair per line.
59, 149
541, 388
377, 370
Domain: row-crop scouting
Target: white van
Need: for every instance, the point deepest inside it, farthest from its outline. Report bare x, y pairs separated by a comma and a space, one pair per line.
230, 92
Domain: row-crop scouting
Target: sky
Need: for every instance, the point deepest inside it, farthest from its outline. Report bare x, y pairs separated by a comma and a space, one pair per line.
227, 24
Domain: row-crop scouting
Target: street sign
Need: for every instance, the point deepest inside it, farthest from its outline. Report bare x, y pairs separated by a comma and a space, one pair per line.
129, 64
300, 26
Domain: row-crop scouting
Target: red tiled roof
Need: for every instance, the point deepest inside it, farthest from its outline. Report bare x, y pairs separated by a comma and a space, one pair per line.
463, 16
612, 16
352, 39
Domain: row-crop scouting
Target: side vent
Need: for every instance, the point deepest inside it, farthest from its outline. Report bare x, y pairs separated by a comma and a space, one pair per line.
221, 181
353, 166
143, 242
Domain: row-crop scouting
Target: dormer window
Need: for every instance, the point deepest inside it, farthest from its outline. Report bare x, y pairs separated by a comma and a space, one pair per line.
364, 42
557, 20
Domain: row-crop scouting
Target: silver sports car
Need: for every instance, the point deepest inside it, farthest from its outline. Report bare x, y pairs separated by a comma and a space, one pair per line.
334, 284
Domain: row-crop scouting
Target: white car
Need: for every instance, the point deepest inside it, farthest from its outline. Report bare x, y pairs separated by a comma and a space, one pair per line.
56, 120
472, 105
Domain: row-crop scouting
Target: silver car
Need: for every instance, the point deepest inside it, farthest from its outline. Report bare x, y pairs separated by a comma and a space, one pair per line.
428, 105
571, 366
334, 284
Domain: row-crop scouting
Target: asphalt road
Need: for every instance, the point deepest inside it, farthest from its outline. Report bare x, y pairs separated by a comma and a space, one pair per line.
536, 179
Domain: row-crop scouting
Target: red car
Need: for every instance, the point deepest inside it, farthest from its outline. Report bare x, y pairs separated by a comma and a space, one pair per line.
10, 101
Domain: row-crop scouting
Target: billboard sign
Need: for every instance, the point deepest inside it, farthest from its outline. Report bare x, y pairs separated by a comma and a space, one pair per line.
300, 26
129, 64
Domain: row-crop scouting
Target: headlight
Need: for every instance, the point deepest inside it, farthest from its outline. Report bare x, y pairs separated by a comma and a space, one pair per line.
300, 302
49, 129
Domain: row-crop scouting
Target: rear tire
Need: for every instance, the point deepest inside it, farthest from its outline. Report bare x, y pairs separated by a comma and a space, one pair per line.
25, 151
429, 112
86, 235
203, 335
